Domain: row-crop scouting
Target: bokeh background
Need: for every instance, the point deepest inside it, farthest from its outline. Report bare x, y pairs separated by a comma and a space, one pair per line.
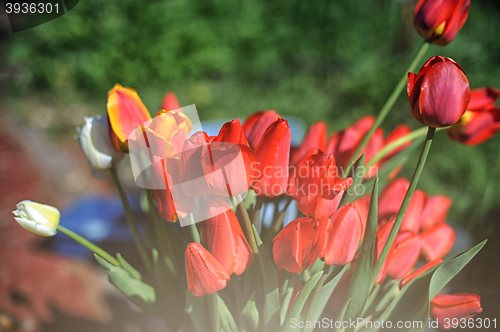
316, 60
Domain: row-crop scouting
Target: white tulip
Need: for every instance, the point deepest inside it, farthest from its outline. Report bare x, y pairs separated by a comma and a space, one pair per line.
95, 142
37, 218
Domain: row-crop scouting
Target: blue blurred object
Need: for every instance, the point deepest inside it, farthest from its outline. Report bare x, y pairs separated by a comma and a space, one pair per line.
98, 219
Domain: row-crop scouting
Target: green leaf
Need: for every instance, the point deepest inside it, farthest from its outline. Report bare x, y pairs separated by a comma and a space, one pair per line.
126, 283
227, 322
250, 313
269, 288
358, 176
300, 301
326, 292
361, 278
129, 268
341, 315
418, 293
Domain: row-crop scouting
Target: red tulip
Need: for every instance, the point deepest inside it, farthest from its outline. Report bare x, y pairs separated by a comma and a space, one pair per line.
225, 238
125, 112
340, 235
294, 247
272, 156
483, 99
205, 275
391, 198
397, 133
382, 235
451, 310
437, 241
363, 206
404, 256
435, 210
227, 161
475, 127
314, 141
411, 220
439, 20
256, 125
419, 271
439, 93
318, 185
344, 143
170, 102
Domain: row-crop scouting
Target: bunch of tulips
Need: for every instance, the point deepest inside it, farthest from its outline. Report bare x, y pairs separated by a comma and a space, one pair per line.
238, 261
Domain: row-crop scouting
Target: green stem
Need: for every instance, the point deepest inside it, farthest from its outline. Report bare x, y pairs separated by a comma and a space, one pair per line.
89, 245
317, 292
248, 225
213, 309
406, 202
165, 244
130, 220
193, 231
256, 211
390, 102
397, 143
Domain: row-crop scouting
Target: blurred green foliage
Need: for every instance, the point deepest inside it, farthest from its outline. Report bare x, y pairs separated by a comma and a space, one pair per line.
319, 60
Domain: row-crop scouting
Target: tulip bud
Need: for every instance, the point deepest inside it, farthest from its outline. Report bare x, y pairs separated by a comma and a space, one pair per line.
94, 140
419, 271
451, 310
125, 112
439, 20
37, 218
439, 93
318, 186
404, 256
434, 211
170, 102
205, 275
437, 241
256, 125
225, 238
341, 236
272, 158
294, 247
314, 140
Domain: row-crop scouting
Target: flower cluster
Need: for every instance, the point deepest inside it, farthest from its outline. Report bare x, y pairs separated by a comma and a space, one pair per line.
361, 253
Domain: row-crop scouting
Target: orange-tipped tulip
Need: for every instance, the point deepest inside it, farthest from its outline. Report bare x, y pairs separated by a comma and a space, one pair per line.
340, 235
437, 241
205, 275
435, 210
294, 247
439, 93
314, 140
272, 156
404, 256
125, 112
452, 309
439, 20
225, 238
419, 271
256, 125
